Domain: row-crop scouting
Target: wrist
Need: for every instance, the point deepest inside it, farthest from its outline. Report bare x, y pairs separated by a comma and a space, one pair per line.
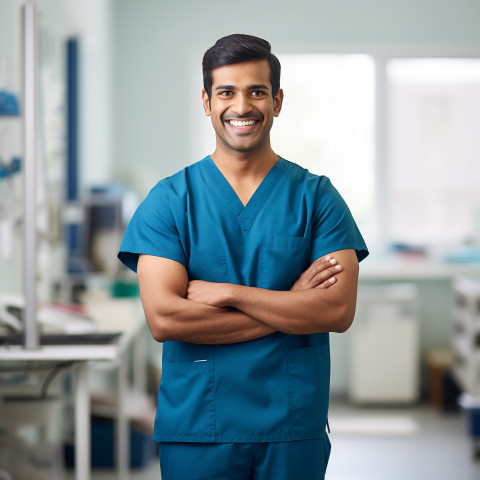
233, 294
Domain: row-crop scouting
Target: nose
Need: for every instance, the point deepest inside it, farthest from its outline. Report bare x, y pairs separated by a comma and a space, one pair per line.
241, 104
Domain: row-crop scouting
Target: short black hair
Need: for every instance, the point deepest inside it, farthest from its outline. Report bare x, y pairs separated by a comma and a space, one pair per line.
238, 48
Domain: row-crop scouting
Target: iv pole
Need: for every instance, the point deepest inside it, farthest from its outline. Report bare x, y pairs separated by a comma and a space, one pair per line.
29, 137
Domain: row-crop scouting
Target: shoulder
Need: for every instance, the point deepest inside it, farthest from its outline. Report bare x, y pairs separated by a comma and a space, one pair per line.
320, 191
177, 183
297, 174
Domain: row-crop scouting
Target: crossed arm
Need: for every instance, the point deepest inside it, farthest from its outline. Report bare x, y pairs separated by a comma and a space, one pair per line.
321, 300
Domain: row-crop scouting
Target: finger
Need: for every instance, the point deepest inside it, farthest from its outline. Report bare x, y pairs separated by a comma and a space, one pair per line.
325, 275
326, 258
317, 267
323, 264
317, 280
327, 283
323, 260
316, 276
307, 278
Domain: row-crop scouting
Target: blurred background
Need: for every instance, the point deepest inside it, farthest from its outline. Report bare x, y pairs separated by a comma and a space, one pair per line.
383, 97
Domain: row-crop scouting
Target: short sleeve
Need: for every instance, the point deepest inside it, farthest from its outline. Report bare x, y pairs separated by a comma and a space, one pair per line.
333, 226
152, 231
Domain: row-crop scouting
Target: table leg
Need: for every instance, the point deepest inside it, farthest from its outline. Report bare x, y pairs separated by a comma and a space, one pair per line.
140, 362
82, 424
122, 423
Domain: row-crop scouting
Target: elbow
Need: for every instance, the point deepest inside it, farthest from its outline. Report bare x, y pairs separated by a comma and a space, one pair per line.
338, 320
162, 319
159, 327
159, 335
341, 326
343, 319
158, 332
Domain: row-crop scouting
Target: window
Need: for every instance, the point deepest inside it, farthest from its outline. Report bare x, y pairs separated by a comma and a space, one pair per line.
327, 123
427, 163
433, 150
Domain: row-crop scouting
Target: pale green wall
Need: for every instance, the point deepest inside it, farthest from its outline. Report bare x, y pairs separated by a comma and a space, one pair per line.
157, 42
139, 112
89, 21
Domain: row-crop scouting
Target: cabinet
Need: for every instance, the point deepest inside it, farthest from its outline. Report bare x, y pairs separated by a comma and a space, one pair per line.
385, 346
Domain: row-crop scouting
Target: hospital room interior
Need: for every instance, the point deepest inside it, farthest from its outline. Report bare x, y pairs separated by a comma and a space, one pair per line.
101, 99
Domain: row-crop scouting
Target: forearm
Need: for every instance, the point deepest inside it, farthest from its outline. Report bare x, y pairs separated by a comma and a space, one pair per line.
305, 309
188, 321
170, 316
294, 312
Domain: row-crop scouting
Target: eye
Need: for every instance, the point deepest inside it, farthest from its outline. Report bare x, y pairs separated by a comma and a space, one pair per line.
258, 93
224, 93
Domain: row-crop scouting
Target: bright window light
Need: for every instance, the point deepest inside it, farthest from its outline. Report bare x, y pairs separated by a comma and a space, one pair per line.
327, 123
433, 151
434, 70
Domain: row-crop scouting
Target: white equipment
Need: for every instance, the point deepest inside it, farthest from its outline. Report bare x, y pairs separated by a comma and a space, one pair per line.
384, 346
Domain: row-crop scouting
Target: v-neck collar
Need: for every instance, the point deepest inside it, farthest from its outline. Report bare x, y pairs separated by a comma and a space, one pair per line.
245, 215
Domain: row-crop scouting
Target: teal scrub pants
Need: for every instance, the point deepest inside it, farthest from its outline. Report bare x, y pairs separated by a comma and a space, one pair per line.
302, 459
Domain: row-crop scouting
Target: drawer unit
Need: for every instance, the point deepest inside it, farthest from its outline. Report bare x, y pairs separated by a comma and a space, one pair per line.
384, 346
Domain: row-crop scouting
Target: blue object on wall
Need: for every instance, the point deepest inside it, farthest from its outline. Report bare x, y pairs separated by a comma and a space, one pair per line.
8, 170
8, 104
74, 233
72, 119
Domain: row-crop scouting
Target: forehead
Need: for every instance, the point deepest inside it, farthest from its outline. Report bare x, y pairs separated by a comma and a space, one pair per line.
245, 73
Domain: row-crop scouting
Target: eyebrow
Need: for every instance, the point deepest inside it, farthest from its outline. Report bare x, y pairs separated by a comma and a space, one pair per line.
259, 86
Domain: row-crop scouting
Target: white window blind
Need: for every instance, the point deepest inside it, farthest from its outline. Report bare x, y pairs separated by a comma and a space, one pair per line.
433, 150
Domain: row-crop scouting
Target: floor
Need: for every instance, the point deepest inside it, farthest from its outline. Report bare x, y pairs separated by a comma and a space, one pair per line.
417, 443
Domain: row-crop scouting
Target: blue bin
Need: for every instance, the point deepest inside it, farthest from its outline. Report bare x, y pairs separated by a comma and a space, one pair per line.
142, 447
471, 407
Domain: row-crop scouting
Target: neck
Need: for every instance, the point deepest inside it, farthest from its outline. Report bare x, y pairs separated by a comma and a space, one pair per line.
245, 172
238, 164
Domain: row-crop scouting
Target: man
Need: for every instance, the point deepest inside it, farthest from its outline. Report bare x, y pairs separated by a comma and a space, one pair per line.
245, 262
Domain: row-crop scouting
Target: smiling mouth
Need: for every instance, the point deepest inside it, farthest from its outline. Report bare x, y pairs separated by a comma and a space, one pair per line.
242, 123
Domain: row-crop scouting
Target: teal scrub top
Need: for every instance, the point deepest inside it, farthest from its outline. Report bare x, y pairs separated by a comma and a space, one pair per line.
274, 388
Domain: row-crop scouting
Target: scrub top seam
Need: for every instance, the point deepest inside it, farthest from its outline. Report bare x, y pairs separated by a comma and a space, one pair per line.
360, 252
290, 393
322, 184
214, 396
262, 193
220, 181
126, 251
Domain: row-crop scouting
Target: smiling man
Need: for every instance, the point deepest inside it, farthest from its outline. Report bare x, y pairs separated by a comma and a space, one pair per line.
245, 263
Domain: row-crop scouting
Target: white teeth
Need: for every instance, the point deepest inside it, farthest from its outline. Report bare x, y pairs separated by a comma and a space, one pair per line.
240, 123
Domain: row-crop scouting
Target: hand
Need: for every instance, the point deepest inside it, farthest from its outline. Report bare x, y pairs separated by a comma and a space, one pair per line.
209, 293
320, 274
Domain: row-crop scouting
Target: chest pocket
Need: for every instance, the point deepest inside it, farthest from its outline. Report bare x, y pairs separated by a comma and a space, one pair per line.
282, 261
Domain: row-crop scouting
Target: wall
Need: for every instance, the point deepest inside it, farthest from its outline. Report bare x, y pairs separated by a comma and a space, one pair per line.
58, 20
157, 82
139, 112
9, 274
158, 43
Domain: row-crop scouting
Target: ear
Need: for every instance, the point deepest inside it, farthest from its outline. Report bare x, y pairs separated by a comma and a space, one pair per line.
206, 103
277, 102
